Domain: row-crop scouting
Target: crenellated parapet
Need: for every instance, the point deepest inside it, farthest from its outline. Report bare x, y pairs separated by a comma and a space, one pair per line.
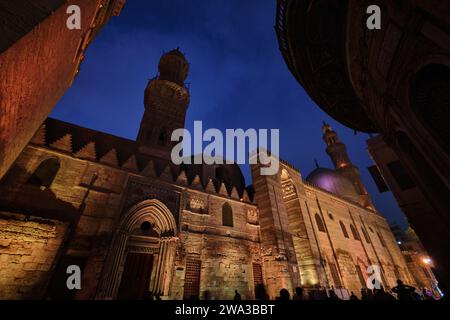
124, 154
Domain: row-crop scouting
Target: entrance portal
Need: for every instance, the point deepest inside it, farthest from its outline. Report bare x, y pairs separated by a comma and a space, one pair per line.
142, 254
136, 277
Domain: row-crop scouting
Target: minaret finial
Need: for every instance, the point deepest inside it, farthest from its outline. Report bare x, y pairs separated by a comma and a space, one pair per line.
317, 163
325, 127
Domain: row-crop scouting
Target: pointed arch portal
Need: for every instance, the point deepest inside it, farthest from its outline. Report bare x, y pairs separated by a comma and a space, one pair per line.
142, 254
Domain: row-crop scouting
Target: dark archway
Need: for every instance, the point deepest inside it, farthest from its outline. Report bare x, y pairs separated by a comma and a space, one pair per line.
344, 229
227, 215
355, 232
319, 223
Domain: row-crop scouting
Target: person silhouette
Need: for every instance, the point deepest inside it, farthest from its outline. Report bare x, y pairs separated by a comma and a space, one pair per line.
298, 293
380, 294
237, 295
333, 295
284, 294
353, 296
404, 292
260, 292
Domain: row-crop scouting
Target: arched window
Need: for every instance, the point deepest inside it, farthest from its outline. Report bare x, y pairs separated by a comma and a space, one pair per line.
45, 173
381, 239
319, 222
366, 236
355, 232
227, 215
344, 230
397, 273
335, 275
362, 280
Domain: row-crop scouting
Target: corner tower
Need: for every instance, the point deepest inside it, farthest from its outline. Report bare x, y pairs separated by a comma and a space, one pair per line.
338, 154
166, 101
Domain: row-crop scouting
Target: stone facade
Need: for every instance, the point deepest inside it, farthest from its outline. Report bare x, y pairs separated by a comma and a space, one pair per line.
29, 247
328, 256
34, 32
419, 263
140, 226
92, 196
394, 80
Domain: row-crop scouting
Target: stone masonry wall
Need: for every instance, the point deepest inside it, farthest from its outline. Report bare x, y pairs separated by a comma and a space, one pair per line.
349, 252
226, 253
36, 72
28, 250
90, 206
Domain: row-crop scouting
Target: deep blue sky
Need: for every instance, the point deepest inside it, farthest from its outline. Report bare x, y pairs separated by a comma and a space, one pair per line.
238, 79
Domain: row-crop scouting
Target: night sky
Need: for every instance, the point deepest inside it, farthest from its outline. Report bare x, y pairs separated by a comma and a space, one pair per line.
238, 79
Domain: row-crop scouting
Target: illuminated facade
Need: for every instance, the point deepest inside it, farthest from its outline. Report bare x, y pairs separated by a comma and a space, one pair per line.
34, 32
394, 81
419, 262
140, 226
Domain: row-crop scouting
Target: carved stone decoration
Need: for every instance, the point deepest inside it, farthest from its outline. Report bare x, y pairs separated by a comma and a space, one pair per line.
110, 158
139, 191
252, 216
141, 249
197, 205
148, 210
64, 143
182, 178
131, 164
267, 252
39, 136
245, 196
288, 190
87, 152
234, 193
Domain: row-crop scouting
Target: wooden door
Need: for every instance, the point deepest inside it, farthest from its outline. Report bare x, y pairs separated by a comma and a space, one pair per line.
192, 279
136, 276
257, 274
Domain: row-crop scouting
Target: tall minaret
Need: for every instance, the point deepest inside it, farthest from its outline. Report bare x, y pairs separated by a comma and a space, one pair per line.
338, 154
166, 101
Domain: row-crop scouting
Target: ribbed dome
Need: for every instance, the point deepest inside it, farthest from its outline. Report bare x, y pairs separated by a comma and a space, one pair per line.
332, 181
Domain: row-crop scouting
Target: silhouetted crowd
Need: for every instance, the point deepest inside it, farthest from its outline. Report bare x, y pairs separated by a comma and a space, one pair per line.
400, 292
